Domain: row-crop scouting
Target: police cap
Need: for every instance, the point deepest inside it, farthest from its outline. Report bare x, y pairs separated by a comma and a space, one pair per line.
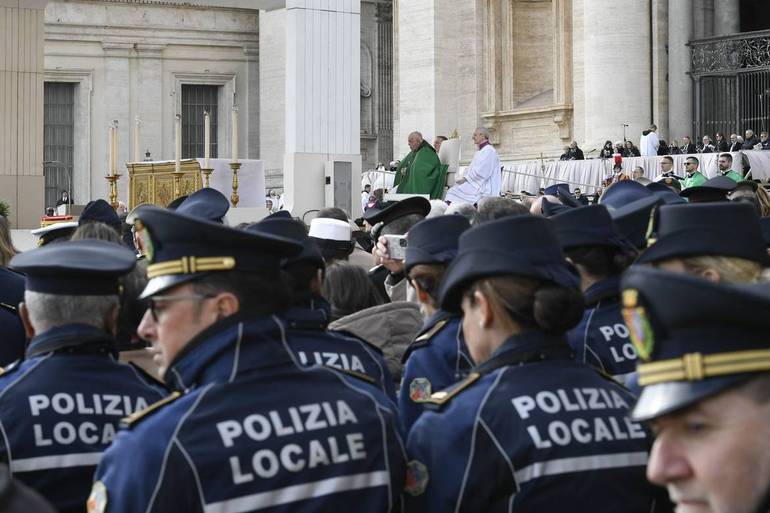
434, 241
587, 226
394, 210
87, 267
623, 193
523, 246
181, 248
101, 211
714, 189
665, 193
632, 220
725, 229
294, 230
55, 232
206, 203
694, 337
553, 190
549, 208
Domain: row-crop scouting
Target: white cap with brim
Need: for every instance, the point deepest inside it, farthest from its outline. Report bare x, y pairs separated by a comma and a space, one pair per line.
39, 232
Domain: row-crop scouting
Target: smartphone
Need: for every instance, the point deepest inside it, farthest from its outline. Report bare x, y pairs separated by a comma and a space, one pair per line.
396, 246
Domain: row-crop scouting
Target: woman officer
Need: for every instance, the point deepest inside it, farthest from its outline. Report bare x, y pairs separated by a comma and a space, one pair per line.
529, 429
438, 356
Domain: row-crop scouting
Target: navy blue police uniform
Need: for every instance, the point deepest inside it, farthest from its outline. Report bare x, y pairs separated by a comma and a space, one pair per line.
438, 356
247, 429
688, 355
601, 338
308, 318
60, 408
530, 429
14, 338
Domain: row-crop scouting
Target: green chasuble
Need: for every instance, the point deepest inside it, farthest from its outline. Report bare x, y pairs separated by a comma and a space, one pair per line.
693, 180
733, 174
421, 172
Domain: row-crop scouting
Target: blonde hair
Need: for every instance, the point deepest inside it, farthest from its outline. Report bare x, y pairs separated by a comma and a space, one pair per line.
7, 250
731, 269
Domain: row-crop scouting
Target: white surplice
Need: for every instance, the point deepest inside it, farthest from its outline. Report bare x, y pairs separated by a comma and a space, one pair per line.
648, 145
483, 178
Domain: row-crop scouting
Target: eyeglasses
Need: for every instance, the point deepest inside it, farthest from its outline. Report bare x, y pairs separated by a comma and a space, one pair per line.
688, 164
155, 303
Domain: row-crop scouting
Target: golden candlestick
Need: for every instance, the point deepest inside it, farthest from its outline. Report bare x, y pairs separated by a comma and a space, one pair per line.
206, 172
234, 198
178, 183
113, 178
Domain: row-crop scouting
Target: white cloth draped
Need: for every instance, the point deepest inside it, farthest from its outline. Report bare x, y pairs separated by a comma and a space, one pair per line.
482, 178
588, 174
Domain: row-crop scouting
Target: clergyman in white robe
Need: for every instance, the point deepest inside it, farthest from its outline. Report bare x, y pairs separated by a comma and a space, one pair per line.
482, 178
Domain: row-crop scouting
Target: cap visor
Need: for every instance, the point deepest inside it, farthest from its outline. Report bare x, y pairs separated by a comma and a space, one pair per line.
163, 283
664, 398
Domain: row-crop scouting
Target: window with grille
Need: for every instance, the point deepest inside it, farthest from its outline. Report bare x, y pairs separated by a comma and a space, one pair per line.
58, 140
197, 99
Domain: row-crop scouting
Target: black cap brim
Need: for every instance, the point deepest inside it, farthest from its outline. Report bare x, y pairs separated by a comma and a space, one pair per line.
700, 242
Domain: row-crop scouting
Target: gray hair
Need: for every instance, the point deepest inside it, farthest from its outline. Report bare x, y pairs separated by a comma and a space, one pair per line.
418, 134
462, 209
401, 225
437, 208
48, 311
483, 131
492, 208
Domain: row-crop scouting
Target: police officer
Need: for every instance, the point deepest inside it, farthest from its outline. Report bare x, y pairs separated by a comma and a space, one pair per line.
718, 241
60, 407
529, 429
630, 205
589, 238
246, 429
310, 314
705, 377
438, 356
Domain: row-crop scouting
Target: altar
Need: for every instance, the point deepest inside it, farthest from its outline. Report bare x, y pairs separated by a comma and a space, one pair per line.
157, 183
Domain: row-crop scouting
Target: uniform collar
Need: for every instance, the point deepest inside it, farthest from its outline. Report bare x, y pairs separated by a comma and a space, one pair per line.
603, 289
527, 347
228, 348
313, 314
70, 335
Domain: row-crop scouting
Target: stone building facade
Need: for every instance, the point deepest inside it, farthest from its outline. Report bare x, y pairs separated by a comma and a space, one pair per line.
129, 59
541, 73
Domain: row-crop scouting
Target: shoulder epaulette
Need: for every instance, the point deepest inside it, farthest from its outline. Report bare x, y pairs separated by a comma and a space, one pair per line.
444, 396
359, 375
133, 419
424, 339
10, 308
431, 332
10, 367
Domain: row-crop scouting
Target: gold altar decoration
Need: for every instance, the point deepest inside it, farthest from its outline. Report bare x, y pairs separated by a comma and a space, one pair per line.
234, 198
206, 172
113, 179
157, 183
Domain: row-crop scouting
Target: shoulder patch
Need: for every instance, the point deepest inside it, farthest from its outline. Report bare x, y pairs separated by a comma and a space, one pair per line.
444, 396
133, 419
359, 375
431, 332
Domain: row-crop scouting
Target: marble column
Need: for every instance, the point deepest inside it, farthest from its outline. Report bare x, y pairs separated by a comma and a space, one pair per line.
21, 110
618, 82
322, 98
147, 79
680, 87
727, 17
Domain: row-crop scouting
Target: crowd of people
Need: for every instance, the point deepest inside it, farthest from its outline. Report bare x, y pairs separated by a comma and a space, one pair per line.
484, 353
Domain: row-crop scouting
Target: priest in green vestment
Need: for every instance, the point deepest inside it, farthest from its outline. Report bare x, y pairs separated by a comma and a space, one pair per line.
421, 171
